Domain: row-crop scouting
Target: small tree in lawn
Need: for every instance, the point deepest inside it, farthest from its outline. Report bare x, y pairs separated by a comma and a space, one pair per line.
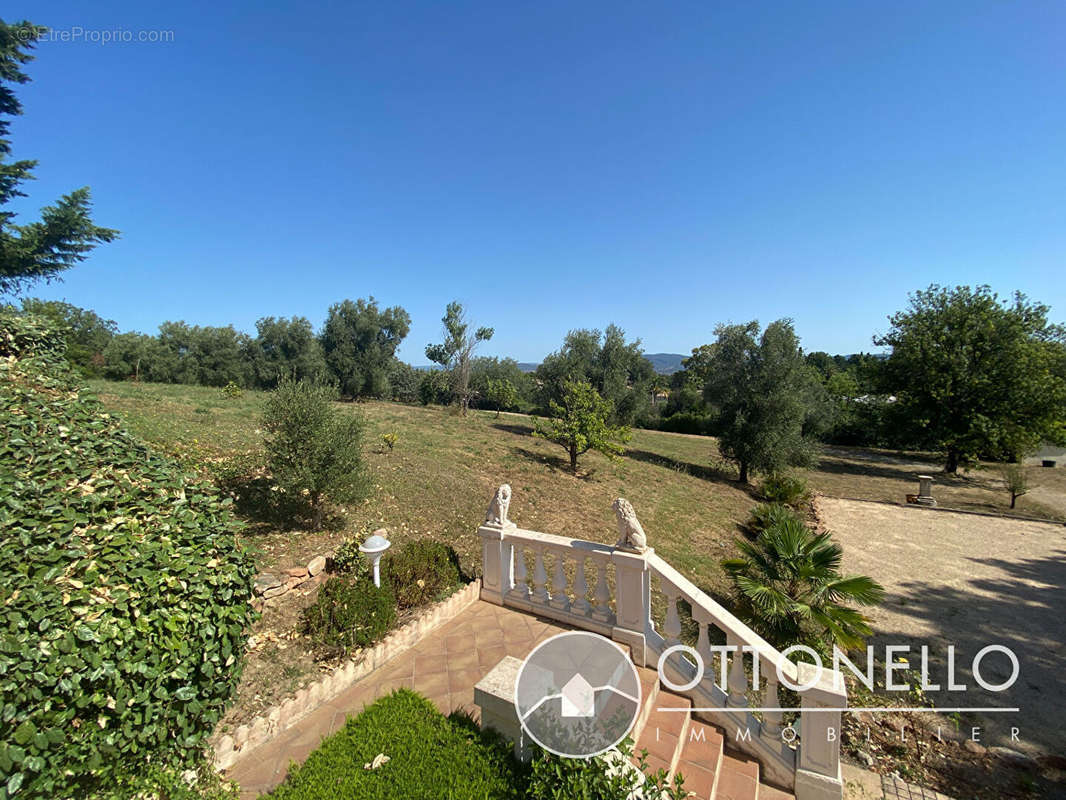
1017, 481
579, 424
457, 349
314, 450
502, 393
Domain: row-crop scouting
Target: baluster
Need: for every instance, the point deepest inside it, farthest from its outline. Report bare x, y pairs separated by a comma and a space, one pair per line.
703, 647
540, 577
560, 599
581, 587
521, 587
672, 624
738, 680
771, 720
603, 593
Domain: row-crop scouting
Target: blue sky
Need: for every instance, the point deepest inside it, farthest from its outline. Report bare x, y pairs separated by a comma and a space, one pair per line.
665, 166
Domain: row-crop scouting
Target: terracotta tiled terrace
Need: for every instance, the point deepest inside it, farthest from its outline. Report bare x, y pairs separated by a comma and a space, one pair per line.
445, 665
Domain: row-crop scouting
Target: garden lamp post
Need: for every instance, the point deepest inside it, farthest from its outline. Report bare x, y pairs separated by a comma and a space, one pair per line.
374, 547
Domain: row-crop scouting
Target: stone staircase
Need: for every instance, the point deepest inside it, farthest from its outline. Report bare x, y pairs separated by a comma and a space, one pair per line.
679, 743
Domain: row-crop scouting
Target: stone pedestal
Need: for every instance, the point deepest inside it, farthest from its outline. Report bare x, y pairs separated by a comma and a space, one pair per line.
925, 490
494, 695
818, 770
632, 601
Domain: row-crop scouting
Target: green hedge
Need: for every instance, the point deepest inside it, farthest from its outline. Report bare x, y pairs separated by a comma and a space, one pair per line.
430, 757
422, 571
349, 612
123, 587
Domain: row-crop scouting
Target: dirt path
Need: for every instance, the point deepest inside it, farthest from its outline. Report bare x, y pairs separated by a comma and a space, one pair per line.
969, 581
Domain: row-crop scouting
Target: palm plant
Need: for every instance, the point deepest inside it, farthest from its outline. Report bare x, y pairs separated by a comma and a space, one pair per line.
791, 590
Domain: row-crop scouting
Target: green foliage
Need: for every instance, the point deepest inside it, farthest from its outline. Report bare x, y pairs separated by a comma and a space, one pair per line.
314, 450
421, 572
135, 356
430, 757
404, 381
790, 589
455, 353
785, 488
348, 560
1016, 480
502, 394
124, 588
767, 401
166, 782
555, 778
484, 371
285, 348
349, 612
389, 440
204, 355
435, 388
86, 333
579, 424
769, 515
360, 342
616, 369
26, 336
65, 233
976, 376
231, 391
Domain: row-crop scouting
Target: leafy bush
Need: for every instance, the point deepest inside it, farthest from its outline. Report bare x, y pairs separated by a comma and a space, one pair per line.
430, 757
125, 592
691, 422
421, 572
781, 487
231, 390
555, 778
389, 440
314, 450
348, 559
350, 613
767, 515
1016, 480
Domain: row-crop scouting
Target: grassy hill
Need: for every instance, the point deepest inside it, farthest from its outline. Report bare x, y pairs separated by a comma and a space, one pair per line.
437, 482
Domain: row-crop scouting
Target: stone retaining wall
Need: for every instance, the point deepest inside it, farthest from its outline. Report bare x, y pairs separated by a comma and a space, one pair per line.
227, 749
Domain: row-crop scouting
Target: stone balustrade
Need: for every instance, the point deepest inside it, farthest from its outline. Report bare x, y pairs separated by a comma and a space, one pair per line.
612, 590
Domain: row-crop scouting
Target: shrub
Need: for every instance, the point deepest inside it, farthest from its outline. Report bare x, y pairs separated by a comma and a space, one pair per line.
421, 572
124, 590
349, 613
231, 391
1016, 480
430, 756
781, 487
313, 450
553, 778
767, 515
348, 559
389, 440
790, 588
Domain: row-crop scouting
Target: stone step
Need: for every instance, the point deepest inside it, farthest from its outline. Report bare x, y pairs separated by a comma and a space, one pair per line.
664, 731
701, 754
738, 778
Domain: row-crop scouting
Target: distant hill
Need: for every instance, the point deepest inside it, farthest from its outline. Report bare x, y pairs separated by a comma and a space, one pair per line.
665, 363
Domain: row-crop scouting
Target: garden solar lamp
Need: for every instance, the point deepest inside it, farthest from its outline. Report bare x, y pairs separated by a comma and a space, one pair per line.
374, 547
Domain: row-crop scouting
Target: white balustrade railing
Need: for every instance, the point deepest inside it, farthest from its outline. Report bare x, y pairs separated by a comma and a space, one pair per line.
609, 590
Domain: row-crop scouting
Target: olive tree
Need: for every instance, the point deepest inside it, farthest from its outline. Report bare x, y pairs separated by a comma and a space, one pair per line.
457, 349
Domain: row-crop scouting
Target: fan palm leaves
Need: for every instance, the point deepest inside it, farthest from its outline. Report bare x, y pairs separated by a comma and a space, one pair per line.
790, 587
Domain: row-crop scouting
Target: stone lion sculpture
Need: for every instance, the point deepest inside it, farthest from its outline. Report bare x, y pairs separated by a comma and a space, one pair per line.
631, 535
497, 513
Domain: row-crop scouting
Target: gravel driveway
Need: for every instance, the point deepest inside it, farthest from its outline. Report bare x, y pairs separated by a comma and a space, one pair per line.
970, 581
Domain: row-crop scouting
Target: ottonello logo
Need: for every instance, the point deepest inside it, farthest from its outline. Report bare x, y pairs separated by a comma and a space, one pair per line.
577, 694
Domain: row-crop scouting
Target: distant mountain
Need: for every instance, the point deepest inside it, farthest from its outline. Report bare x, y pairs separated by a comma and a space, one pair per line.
665, 363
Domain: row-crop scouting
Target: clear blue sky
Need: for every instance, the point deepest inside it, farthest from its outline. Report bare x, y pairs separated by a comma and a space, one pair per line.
665, 166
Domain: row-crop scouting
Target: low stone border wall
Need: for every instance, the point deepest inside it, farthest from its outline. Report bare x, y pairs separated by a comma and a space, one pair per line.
269, 724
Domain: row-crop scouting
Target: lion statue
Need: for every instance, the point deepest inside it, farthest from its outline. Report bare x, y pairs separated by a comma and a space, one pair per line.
631, 535
497, 513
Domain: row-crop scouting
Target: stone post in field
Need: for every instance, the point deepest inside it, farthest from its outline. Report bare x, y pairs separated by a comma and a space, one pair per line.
925, 491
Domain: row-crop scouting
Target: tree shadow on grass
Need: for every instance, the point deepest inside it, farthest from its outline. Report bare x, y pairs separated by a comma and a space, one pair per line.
557, 463
701, 471
517, 430
835, 465
257, 502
